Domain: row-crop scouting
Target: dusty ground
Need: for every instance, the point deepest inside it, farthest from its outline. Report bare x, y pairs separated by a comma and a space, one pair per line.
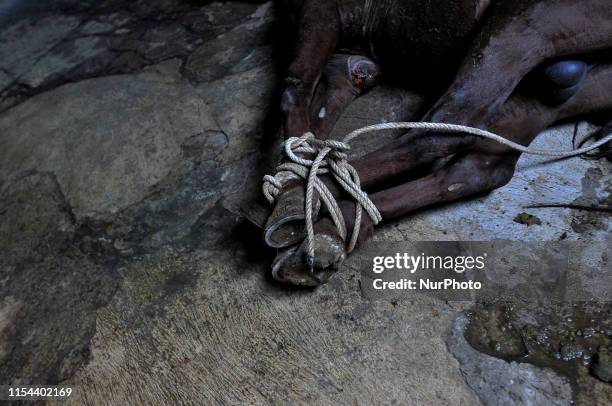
132, 140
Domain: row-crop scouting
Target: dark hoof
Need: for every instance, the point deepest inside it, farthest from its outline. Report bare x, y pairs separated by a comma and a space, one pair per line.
563, 79
566, 74
285, 226
291, 266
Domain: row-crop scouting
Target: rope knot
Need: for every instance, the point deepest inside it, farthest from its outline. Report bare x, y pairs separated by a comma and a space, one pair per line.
307, 158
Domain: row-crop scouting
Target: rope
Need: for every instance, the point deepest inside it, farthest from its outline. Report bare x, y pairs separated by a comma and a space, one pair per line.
331, 157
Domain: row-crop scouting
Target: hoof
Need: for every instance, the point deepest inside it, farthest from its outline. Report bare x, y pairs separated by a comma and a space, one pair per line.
291, 266
564, 79
285, 226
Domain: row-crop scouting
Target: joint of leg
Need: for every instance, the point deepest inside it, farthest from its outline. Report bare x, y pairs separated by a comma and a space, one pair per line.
287, 100
477, 175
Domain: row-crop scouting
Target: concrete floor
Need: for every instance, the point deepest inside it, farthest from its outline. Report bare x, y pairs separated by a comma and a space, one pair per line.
133, 140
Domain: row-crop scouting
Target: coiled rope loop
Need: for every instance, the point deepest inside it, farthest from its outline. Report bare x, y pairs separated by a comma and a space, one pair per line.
330, 156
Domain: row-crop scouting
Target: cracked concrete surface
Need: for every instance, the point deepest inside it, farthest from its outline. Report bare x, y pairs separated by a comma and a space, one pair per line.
133, 139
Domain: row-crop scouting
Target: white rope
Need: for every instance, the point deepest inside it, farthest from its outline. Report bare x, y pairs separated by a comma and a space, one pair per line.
330, 156
455, 128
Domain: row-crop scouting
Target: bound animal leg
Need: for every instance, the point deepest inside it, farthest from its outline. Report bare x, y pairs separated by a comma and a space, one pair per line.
344, 78
482, 168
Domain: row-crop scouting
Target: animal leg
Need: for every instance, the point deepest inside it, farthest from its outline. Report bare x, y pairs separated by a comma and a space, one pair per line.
344, 79
318, 36
401, 156
489, 165
517, 37
484, 167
